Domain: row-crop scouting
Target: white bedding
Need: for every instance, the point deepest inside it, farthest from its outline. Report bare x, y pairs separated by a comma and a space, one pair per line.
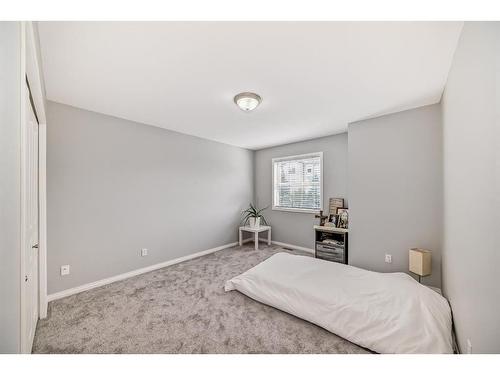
383, 312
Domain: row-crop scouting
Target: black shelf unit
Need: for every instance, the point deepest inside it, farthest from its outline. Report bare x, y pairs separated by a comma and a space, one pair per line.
331, 244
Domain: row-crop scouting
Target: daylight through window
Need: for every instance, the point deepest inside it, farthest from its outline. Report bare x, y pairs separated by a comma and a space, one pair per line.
297, 182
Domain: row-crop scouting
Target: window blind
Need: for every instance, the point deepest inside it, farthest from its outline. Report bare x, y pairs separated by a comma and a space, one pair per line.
297, 182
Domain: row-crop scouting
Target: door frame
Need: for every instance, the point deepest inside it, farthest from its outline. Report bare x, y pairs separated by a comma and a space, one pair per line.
31, 70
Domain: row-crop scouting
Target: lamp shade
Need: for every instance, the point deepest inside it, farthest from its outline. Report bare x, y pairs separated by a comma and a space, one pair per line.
420, 262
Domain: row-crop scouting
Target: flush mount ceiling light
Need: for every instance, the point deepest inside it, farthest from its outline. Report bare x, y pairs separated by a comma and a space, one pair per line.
247, 101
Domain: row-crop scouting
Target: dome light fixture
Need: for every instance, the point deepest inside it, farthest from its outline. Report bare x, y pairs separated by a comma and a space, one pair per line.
247, 101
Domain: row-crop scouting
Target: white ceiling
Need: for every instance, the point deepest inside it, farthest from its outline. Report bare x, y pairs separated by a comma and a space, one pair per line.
314, 77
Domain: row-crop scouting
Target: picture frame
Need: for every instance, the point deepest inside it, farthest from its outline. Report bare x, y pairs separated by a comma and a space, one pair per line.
332, 218
343, 218
334, 204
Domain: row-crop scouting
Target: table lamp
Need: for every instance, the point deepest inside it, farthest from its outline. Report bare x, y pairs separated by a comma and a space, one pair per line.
420, 262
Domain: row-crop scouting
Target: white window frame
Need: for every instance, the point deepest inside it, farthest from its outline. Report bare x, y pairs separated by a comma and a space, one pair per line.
302, 156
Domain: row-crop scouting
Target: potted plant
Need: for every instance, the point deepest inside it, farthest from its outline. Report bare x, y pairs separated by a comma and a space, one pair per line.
254, 217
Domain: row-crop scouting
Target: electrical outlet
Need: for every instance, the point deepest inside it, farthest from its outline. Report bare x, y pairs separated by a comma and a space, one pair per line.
388, 258
469, 347
65, 270
144, 252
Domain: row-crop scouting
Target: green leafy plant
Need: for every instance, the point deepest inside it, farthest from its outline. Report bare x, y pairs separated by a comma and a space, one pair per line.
252, 211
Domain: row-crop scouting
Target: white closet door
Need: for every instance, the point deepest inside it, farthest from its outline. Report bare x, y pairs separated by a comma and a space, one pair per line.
30, 247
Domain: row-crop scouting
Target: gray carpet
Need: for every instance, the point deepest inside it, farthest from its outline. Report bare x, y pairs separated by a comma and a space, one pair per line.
181, 309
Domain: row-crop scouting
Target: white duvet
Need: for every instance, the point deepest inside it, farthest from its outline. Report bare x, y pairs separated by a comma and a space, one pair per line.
383, 312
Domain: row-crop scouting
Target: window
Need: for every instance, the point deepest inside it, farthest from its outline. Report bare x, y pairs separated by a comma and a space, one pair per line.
297, 183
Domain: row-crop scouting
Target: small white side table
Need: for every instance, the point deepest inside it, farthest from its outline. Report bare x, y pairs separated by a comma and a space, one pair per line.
256, 232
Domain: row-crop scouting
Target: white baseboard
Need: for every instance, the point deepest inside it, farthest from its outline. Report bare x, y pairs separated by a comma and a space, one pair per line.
282, 244
293, 247
123, 276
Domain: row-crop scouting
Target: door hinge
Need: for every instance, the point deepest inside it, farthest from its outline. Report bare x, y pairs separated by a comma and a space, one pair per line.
35, 246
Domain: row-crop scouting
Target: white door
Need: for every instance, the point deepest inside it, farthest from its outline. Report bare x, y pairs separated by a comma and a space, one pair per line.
30, 277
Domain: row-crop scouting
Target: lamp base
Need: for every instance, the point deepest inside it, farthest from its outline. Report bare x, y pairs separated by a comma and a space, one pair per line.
419, 277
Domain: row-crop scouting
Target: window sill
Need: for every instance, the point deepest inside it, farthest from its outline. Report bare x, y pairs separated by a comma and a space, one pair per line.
299, 210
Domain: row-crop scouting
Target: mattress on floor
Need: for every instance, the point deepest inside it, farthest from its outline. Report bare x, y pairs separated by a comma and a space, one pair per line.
383, 312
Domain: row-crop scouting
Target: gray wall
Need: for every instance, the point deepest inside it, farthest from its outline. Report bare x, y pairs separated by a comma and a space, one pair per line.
9, 187
395, 190
115, 186
471, 252
292, 227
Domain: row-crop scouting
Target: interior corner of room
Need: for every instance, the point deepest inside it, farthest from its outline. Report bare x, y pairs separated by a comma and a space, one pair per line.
126, 195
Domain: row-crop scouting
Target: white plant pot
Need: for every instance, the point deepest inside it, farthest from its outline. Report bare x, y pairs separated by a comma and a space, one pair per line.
254, 222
